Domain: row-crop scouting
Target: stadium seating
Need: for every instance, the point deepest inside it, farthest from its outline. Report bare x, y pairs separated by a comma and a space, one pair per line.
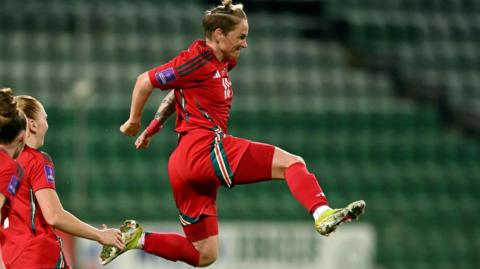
433, 43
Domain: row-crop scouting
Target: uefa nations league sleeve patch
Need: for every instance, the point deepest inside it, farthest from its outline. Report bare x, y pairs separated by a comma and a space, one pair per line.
50, 173
165, 76
13, 185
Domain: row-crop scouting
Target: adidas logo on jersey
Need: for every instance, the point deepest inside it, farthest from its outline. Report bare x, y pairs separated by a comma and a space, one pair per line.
217, 75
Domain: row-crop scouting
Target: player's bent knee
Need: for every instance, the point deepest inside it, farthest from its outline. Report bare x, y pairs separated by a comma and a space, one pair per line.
208, 250
295, 159
207, 258
281, 161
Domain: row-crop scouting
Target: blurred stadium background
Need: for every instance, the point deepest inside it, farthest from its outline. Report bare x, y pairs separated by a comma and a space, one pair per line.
380, 97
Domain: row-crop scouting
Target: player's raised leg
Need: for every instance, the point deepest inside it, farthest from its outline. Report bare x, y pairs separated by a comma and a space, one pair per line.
305, 188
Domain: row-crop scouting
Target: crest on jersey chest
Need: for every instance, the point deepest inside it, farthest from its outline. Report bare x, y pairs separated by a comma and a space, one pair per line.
220, 73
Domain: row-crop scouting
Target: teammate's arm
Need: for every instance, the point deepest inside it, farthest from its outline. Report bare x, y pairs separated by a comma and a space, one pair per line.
3, 199
164, 111
58, 217
141, 91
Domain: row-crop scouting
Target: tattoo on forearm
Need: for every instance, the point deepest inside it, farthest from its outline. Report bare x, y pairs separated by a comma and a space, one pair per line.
166, 108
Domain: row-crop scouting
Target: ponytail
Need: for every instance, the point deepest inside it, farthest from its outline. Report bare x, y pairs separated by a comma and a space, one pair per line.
12, 120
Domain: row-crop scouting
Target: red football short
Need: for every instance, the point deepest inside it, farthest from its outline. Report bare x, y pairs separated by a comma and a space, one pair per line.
205, 160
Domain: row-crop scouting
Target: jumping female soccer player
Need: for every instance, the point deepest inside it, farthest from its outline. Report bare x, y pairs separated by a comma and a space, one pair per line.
206, 156
30, 241
12, 135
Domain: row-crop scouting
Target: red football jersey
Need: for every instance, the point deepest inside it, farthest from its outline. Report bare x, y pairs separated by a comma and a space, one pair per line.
10, 180
28, 241
203, 91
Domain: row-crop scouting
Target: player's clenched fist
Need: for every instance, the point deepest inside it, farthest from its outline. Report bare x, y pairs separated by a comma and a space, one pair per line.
130, 128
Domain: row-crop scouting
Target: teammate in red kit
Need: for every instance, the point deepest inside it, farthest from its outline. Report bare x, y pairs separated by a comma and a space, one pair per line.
206, 156
29, 241
12, 141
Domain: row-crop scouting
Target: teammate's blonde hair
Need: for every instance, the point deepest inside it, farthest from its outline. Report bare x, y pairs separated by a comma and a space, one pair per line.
12, 120
224, 16
29, 105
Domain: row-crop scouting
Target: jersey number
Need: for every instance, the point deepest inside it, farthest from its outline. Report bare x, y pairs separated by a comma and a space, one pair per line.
227, 86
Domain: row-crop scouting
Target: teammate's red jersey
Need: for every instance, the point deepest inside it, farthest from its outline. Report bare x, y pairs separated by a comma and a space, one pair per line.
203, 91
10, 180
28, 241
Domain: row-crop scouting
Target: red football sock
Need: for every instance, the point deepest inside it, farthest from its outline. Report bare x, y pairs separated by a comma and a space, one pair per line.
171, 246
304, 187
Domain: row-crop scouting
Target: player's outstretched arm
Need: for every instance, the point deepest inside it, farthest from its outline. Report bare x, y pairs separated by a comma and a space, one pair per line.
141, 91
164, 111
63, 220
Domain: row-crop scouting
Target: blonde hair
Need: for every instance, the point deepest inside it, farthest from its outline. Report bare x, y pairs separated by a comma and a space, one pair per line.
12, 120
28, 105
224, 16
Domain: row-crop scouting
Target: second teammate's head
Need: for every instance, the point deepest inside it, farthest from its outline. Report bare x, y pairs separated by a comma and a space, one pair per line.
36, 120
226, 26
